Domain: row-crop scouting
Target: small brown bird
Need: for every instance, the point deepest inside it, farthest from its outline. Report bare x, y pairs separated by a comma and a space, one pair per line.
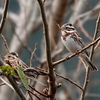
73, 42
13, 60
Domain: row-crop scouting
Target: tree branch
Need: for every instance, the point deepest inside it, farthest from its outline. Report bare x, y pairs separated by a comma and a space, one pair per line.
4, 15
14, 84
74, 54
17, 89
51, 80
66, 78
91, 56
95, 35
5, 43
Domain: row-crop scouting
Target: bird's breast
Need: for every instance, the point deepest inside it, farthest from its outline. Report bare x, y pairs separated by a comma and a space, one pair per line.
70, 44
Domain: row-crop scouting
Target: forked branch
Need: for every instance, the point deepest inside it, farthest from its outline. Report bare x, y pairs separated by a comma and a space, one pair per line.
91, 56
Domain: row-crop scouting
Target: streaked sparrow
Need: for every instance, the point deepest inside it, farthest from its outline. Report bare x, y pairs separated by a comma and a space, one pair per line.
13, 60
73, 42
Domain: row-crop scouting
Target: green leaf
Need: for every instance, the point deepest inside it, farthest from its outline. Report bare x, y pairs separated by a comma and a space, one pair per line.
22, 76
7, 70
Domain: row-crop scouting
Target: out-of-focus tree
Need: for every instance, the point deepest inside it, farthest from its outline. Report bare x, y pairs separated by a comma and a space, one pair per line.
22, 29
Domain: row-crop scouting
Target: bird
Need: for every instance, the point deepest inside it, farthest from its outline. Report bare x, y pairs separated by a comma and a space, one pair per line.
13, 60
73, 42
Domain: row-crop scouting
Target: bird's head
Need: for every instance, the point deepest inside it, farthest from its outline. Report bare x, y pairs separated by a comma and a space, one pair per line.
67, 28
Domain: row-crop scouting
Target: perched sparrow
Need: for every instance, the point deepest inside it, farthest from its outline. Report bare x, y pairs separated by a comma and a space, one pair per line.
73, 42
13, 60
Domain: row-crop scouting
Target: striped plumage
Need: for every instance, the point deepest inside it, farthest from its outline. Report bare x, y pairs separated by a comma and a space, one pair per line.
73, 42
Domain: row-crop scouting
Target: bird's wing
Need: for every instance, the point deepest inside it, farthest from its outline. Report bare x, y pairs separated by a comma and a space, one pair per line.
80, 41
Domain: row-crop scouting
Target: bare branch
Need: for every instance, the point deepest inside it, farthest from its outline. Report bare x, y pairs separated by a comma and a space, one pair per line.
95, 35
83, 30
15, 86
38, 92
6, 83
91, 56
5, 43
11, 16
96, 47
32, 55
74, 54
34, 94
87, 14
66, 78
4, 15
51, 81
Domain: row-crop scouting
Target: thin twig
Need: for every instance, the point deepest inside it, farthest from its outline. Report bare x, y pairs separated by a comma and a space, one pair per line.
66, 78
88, 13
30, 95
2, 23
51, 80
32, 55
38, 92
8, 84
91, 56
83, 30
74, 54
57, 25
97, 45
5, 43
95, 35
4, 15
16, 87
28, 48
34, 94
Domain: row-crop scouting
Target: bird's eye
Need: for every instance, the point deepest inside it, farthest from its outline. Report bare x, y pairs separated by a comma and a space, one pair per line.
70, 24
15, 54
9, 56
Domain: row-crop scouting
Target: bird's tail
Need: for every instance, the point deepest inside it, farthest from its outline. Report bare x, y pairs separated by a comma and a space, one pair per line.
88, 62
93, 67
